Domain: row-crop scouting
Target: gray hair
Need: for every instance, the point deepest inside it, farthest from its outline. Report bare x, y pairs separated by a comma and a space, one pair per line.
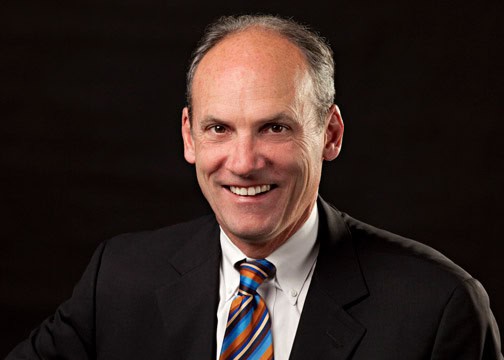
316, 50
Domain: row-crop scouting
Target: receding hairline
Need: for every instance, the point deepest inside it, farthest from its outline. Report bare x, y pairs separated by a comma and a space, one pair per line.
260, 28
253, 28
224, 56
316, 51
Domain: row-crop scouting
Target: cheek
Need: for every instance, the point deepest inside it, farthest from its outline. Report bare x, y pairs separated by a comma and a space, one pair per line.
285, 159
302, 165
207, 159
309, 168
309, 154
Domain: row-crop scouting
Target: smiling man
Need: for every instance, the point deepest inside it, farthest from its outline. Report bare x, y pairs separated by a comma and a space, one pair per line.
257, 138
275, 272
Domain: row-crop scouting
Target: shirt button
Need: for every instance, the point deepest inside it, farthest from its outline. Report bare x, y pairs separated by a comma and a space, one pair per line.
293, 293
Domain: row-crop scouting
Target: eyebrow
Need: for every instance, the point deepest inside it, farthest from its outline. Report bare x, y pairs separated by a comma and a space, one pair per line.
210, 119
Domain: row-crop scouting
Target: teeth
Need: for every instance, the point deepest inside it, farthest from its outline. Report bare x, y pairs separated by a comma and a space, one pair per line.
250, 191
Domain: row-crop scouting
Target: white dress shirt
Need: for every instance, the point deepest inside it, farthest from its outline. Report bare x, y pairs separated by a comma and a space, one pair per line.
284, 295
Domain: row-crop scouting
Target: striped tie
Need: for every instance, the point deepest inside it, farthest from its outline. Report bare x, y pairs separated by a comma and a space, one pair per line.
248, 330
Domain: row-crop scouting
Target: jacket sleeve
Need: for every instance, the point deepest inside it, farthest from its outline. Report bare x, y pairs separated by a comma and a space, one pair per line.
468, 329
70, 332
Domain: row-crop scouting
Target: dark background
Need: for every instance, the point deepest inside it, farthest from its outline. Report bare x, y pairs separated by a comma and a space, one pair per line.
91, 95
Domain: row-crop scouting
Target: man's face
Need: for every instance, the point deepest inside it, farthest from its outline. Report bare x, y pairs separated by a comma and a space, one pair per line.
255, 139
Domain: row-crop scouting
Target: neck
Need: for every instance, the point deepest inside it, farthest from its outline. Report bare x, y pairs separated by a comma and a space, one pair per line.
261, 249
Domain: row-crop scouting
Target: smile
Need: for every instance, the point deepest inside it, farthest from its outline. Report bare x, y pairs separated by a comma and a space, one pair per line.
251, 190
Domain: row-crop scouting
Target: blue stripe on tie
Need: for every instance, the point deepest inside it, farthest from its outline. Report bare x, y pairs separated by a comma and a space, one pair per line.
238, 350
238, 328
252, 275
253, 267
262, 347
232, 313
248, 282
265, 265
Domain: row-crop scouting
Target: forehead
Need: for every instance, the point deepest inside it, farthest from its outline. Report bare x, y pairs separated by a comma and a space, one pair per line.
249, 67
255, 45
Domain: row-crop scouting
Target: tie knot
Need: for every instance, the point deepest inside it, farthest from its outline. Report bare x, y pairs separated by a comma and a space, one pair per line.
253, 273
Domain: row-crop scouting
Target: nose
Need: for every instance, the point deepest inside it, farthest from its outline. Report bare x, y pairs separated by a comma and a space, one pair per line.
245, 156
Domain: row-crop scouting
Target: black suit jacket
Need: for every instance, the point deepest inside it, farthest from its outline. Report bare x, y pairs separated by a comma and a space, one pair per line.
374, 295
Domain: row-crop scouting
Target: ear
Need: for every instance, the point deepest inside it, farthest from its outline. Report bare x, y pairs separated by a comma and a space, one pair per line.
189, 152
333, 134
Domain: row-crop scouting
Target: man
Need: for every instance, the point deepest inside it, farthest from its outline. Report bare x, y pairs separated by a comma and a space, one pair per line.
276, 272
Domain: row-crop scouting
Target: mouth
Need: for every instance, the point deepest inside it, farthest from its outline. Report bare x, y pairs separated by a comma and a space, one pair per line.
251, 190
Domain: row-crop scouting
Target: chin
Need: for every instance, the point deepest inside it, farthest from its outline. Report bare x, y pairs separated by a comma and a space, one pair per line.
250, 234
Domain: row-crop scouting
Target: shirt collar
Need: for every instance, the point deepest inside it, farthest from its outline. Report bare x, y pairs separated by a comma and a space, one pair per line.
293, 260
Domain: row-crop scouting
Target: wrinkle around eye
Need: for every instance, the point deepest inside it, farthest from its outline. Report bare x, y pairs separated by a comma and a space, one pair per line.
218, 129
275, 128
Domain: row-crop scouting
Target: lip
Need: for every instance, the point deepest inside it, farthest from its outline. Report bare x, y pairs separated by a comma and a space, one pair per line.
250, 190
254, 197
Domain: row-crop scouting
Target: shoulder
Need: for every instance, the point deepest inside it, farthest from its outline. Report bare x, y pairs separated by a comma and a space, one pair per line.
146, 256
167, 240
388, 260
395, 261
418, 292
384, 252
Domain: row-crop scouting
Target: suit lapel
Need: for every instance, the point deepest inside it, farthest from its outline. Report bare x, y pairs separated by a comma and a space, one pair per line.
188, 303
326, 330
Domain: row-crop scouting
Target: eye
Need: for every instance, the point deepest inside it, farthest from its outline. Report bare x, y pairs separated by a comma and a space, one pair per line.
218, 129
276, 128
